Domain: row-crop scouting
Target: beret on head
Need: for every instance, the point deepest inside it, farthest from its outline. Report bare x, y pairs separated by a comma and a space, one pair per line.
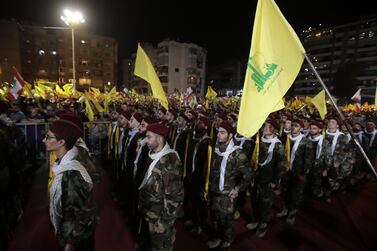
126, 114
228, 127
222, 116
299, 121
317, 123
274, 123
67, 130
205, 121
158, 128
336, 119
138, 117
151, 120
73, 118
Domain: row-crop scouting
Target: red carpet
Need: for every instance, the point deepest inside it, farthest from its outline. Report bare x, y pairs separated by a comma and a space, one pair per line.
348, 223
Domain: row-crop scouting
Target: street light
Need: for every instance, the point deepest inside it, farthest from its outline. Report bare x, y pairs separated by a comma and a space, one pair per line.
73, 19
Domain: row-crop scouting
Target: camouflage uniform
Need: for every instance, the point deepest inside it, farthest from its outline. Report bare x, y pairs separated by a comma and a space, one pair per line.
237, 176
299, 168
318, 166
262, 195
161, 199
340, 162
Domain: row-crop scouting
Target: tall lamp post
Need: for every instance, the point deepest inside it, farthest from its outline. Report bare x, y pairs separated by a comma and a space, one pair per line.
72, 19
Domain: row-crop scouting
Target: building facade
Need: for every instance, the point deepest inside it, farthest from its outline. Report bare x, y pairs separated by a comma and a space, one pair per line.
46, 53
345, 56
178, 65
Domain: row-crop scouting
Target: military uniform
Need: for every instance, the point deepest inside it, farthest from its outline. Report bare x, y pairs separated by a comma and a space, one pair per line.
301, 159
320, 150
237, 176
272, 162
161, 197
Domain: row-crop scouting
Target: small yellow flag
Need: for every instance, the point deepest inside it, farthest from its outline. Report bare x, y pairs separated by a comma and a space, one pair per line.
88, 109
145, 70
319, 101
211, 93
275, 59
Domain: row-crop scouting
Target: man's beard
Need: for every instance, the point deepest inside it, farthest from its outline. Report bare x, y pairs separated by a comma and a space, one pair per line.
200, 131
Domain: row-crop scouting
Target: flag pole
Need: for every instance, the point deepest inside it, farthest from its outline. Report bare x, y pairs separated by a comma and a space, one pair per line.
341, 115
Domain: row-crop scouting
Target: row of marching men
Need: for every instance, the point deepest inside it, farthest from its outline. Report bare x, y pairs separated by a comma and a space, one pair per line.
218, 169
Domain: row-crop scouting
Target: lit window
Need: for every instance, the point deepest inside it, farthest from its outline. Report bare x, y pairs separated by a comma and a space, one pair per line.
53, 52
41, 52
83, 41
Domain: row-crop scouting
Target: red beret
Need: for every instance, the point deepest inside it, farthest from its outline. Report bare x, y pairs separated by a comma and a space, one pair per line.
206, 121
67, 130
119, 110
60, 112
222, 116
158, 128
73, 118
299, 121
317, 123
184, 116
126, 114
274, 123
228, 127
336, 119
138, 117
151, 120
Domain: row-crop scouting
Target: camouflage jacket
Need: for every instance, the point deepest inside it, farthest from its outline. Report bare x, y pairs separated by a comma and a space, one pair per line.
161, 198
303, 158
323, 159
343, 156
271, 172
237, 174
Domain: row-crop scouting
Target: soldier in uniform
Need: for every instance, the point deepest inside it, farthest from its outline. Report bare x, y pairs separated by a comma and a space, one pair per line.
301, 158
161, 191
340, 157
371, 143
196, 177
320, 148
230, 174
182, 140
72, 208
169, 121
270, 165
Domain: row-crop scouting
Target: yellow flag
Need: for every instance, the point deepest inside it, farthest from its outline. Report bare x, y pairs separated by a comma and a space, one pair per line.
88, 109
68, 88
375, 99
145, 70
211, 93
280, 105
108, 97
275, 59
319, 101
94, 101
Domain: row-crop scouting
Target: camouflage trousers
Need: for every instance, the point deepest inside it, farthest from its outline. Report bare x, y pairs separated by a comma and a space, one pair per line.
295, 191
262, 198
162, 241
221, 212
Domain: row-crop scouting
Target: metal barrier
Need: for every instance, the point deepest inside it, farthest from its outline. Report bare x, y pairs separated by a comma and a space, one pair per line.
95, 136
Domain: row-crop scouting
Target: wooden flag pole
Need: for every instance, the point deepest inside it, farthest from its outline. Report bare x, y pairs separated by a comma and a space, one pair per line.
357, 143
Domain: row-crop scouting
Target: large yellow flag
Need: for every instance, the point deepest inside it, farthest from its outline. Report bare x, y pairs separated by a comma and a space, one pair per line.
275, 59
319, 101
375, 99
145, 70
211, 93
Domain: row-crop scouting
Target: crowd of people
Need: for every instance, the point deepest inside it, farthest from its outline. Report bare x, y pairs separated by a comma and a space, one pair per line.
190, 163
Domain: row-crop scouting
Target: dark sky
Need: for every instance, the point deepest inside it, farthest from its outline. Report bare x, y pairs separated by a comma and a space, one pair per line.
223, 27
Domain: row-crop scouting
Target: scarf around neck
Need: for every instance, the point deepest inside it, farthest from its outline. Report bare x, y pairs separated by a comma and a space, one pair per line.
335, 139
297, 141
229, 149
318, 139
271, 147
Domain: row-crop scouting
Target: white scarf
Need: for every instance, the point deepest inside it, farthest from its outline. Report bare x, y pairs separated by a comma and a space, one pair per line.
297, 141
156, 157
287, 131
270, 152
81, 143
306, 131
229, 149
142, 143
318, 139
196, 150
359, 136
120, 143
67, 163
241, 139
373, 133
335, 139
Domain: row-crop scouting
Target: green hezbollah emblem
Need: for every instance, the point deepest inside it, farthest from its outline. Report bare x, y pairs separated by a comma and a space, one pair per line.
258, 76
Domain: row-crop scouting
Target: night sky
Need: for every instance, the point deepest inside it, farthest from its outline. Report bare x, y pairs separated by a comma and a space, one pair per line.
223, 27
